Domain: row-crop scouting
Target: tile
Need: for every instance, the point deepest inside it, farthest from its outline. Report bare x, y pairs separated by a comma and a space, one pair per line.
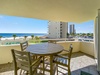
79, 62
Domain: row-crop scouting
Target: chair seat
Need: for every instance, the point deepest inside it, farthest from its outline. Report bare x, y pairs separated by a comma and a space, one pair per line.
61, 60
25, 67
64, 59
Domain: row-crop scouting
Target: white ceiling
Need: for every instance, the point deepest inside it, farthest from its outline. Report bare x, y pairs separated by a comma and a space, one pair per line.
57, 10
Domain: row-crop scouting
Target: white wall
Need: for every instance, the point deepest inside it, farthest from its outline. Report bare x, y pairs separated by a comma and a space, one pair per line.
54, 29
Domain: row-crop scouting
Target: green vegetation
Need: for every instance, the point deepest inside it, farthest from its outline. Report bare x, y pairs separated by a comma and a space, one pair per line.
32, 37
36, 41
14, 35
25, 37
42, 41
84, 34
81, 34
67, 35
0, 37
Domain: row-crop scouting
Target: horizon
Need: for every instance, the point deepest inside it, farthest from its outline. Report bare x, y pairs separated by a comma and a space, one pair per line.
13, 24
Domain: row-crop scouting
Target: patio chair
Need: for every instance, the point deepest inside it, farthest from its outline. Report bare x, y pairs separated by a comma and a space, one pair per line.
24, 45
22, 60
64, 60
52, 41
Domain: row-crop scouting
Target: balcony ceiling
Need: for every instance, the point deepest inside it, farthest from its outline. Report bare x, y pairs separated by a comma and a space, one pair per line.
57, 10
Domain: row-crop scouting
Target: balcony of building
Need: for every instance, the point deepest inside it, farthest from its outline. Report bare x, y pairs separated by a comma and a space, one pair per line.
83, 58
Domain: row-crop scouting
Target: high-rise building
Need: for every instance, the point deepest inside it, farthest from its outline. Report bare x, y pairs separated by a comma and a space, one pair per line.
72, 29
57, 29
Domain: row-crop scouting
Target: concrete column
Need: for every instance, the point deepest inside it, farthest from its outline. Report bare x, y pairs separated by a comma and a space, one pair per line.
97, 42
96, 37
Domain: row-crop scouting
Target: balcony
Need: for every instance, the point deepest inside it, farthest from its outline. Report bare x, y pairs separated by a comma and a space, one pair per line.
83, 58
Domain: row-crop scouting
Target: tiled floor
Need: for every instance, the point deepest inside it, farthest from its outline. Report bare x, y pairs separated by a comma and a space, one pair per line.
79, 62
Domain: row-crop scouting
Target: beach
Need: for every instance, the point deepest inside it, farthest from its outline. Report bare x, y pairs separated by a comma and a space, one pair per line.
8, 39
9, 36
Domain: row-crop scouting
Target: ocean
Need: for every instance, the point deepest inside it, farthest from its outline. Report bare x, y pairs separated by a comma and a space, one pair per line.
7, 35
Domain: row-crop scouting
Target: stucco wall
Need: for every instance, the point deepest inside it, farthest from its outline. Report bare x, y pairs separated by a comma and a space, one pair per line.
66, 45
86, 47
5, 53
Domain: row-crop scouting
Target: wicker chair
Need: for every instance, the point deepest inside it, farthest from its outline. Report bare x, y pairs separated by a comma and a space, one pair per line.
64, 60
22, 60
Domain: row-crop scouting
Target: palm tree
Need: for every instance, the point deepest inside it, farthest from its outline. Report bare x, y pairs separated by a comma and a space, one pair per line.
67, 35
25, 37
91, 34
14, 35
88, 34
32, 36
78, 34
0, 37
72, 34
83, 34
37, 39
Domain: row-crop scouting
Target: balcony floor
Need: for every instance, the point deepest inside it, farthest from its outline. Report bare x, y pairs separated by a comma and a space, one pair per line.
79, 62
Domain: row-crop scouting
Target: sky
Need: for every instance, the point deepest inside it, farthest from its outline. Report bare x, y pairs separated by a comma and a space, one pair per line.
12, 24
85, 27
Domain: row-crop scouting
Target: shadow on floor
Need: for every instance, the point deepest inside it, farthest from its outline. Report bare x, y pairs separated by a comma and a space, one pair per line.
6, 67
79, 62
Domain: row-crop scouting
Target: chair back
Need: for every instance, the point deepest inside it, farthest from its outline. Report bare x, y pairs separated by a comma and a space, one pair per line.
69, 54
24, 45
21, 59
52, 41
70, 51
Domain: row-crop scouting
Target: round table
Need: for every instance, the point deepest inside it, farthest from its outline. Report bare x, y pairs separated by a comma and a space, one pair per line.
45, 49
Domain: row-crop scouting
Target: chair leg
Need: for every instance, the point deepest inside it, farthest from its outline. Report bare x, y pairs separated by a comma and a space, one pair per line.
43, 65
30, 72
20, 72
57, 69
69, 72
15, 70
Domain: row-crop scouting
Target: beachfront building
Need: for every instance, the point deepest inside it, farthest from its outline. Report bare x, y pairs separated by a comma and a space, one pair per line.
57, 29
72, 29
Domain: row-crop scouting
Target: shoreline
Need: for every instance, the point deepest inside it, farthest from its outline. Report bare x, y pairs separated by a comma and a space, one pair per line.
11, 38
20, 38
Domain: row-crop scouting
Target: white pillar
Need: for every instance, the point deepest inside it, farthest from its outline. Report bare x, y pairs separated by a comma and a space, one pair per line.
97, 40
96, 37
